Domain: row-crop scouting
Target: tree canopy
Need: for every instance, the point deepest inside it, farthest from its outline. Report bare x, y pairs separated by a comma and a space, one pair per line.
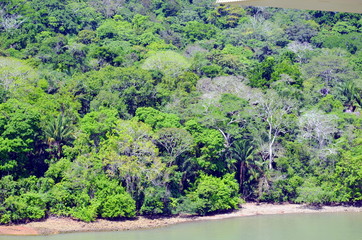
113, 109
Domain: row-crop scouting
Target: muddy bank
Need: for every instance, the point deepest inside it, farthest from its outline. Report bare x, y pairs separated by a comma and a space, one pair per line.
55, 225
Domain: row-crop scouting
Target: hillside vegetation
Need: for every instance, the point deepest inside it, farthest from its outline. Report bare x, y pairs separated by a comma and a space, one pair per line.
117, 108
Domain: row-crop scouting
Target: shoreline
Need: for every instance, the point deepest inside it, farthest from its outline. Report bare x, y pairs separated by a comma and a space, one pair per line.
57, 225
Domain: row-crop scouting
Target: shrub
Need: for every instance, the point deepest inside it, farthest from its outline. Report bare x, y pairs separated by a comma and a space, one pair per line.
120, 205
28, 206
154, 202
212, 194
313, 193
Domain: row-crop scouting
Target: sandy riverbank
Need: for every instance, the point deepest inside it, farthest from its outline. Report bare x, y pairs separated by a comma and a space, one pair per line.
54, 225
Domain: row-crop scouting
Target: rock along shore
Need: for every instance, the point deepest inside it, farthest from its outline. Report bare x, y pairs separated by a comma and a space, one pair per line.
56, 225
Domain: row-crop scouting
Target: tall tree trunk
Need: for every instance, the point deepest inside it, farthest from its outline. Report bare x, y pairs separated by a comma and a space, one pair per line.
271, 142
270, 156
241, 176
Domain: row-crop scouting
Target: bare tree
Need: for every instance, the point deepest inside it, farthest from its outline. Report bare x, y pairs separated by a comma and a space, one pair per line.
301, 50
317, 128
273, 110
10, 22
236, 85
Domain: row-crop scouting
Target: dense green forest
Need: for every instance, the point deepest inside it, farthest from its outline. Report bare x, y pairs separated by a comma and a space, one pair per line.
117, 108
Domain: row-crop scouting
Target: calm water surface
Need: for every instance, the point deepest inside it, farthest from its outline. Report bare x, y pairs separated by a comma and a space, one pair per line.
326, 226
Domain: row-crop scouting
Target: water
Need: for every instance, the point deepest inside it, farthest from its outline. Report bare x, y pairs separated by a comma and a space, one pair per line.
326, 226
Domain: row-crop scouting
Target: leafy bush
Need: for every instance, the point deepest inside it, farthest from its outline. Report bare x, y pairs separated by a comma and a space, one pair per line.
28, 206
86, 213
313, 193
212, 194
120, 205
283, 190
154, 202
100, 197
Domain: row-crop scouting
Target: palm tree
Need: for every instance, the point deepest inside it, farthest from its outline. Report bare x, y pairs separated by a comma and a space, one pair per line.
242, 151
352, 95
58, 132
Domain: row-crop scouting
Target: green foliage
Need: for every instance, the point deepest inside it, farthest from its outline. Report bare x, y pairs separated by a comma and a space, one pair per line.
157, 119
348, 173
211, 194
329, 104
170, 63
350, 41
343, 27
224, 16
285, 190
302, 31
57, 170
124, 89
86, 36
27, 206
23, 200
154, 202
112, 201
130, 156
115, 28
268, 98
116, 206
94, 127
195, 31
211, 70
175, 141
19, 123
210, 143
311, 192
96, 197
261, 76
270, 71
58, 132
166, 9
86, 214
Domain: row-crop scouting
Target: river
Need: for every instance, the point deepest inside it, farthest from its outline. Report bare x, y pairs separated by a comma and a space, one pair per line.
324, 226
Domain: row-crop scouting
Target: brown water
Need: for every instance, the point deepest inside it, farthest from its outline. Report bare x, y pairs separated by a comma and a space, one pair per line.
325, 226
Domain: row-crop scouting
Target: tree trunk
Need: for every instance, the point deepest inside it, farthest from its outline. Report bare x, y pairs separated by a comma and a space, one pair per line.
270, 155
241, 175
271, 142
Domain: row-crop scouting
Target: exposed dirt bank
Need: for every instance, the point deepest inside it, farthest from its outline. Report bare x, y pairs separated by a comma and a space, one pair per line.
54, 225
